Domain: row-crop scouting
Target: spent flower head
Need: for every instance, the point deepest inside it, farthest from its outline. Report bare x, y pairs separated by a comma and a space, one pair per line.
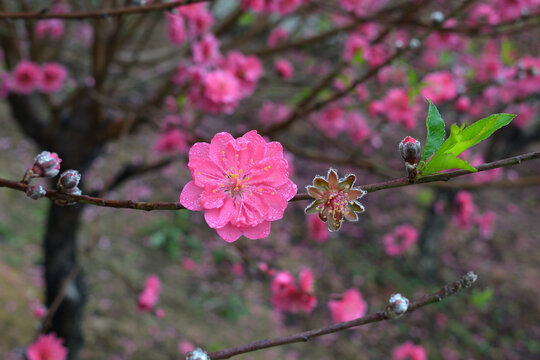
335, 199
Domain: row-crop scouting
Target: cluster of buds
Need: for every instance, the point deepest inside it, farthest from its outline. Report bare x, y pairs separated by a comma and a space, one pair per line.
67, 184
410, 151
46, 164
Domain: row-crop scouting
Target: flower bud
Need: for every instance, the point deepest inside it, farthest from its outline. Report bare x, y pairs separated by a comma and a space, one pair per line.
397, 306
437, 17
197, 354
35, 192
46, 164
410, 149
70, 191
68, 179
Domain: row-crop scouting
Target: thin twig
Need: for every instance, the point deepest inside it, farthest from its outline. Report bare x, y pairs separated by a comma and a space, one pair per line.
104, 13
148, 206
465, 281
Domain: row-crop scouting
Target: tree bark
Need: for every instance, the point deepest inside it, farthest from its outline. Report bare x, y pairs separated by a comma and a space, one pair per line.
60, 245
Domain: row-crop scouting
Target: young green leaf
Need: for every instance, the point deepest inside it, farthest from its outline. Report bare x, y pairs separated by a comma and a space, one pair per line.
462, 138
435, 131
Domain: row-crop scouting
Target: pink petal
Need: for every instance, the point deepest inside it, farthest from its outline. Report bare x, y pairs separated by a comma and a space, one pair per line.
212, 197
271, 172
218, 218
199, 151
287, 190
259, 145
229, 233
218, 146
206, 172
274, 150
260, 231
190, 197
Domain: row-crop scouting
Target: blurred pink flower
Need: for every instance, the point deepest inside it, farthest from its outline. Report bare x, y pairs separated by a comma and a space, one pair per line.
463, 104
464, 209
317, 229
150, 294
247, 69
408, 236
39, 310
185, 346
439, 87
397, 108
199, 19
53, 28
221, 87
206, 50
357, 127
356, 44
171, 141
408, 351
351, 306
53, 77
284, 68
25, 77
241, 184
47, 347
282, 7
276, 36
272, 113
486, 224
287, 296
331, 120
176, 28
484, 176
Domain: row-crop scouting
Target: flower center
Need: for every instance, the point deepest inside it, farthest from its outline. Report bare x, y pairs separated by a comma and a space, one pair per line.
338, 202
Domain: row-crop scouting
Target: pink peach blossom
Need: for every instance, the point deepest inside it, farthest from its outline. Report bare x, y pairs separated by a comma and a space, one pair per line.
272, 113
464, 209
53, 28
397, 108
26, 77
439, 87
408, 351
207, 50
150, 294
317, 229
47, 347
222, 89
408, 236
351, 306
241, 184
53, 76
287, 296
247, 69
284, 68
199, 19
276, 36
176, 28
486, 223
171, 141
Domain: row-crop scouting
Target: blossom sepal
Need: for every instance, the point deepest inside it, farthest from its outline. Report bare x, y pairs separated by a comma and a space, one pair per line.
336, 199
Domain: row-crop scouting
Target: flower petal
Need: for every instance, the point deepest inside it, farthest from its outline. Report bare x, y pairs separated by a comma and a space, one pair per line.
315, 193
320, 182
260, 231
347, 182
212, 197
313, 207
190, 197
332, 179
218, 218
288, 190
354, 194
229, 233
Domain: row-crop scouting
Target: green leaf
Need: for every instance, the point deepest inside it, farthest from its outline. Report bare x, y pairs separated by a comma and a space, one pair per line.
462, 138
358, 57
445, 162
435, 131
246, 19
482, 298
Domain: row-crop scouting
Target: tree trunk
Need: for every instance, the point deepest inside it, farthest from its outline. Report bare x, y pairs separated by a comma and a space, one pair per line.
60, 245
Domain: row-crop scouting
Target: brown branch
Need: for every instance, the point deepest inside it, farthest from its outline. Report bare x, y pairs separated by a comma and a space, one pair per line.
92, 14
148, 206
465, 281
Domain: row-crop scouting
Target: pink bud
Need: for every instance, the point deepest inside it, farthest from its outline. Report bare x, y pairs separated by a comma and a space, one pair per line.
68, 179
410, 149
46, 164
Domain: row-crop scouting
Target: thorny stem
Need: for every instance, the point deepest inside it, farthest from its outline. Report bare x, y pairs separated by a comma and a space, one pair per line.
102, 13
465, 281
148, 206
